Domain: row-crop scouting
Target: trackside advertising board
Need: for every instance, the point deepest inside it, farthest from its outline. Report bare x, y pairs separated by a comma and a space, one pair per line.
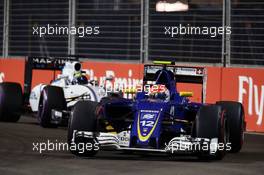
245, 85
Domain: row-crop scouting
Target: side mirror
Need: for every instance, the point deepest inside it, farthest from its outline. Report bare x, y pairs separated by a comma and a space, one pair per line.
186, 94
85, 71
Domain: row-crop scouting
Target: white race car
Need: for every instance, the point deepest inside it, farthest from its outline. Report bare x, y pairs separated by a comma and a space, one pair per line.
52, 102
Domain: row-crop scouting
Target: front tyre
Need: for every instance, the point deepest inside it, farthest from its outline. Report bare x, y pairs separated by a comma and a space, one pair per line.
236, 123
83, 118
211, 123
52, 97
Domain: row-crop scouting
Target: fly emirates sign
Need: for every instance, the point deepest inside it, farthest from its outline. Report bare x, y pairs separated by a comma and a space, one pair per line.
254, 93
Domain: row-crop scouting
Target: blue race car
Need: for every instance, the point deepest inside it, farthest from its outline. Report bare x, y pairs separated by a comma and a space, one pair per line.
164, 122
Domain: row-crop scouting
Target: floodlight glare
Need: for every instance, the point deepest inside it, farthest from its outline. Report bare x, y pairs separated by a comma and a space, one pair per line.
178, 6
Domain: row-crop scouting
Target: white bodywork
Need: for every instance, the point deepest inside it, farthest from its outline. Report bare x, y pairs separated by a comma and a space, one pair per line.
64, 80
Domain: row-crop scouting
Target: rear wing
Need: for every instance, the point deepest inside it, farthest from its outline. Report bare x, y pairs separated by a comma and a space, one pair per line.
48, 63
183, 74
43, 63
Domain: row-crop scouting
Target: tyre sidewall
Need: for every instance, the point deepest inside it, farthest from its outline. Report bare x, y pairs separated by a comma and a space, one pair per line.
83, 118
235, 120
51, 98
11, 101
210, 123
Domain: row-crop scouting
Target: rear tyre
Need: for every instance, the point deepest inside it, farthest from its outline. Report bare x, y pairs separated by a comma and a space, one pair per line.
11, 101
211, 123
236, 123
52, 97
83, 118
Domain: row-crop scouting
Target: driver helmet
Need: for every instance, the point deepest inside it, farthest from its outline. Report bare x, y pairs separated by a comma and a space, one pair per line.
82, 79
79, 78
165, 95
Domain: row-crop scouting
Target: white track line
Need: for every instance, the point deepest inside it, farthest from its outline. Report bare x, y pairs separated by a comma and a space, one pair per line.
254, 133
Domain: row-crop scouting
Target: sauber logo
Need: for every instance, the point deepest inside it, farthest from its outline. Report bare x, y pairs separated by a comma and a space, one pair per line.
146, 124
255, 96
2, 76
148, 116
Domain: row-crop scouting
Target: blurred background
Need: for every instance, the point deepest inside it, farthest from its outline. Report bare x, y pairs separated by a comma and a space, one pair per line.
133, 30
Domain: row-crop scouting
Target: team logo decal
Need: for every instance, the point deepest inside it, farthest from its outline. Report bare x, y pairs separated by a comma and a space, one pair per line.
146, 124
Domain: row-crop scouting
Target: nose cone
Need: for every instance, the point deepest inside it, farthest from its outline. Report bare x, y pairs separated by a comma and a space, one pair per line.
146, 127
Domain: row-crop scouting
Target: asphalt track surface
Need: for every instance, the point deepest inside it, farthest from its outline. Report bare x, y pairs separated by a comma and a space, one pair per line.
17, 157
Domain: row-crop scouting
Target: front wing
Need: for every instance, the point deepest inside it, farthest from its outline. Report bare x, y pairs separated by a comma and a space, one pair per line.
177, 145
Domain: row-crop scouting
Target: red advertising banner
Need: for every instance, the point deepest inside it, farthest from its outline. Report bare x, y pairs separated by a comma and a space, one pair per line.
245, 85
12, 70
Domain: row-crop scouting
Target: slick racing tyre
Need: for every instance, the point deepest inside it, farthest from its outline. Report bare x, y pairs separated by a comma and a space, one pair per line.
83, 118
211, 123
11, 101
236, 123
52, 97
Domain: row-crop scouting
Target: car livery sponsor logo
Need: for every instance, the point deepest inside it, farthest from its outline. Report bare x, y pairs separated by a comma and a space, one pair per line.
148, 116
254, 93
54, 63
124, 138
146, 124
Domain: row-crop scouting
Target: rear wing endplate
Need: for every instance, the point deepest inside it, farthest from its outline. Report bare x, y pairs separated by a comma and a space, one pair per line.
183, 74
42, 63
